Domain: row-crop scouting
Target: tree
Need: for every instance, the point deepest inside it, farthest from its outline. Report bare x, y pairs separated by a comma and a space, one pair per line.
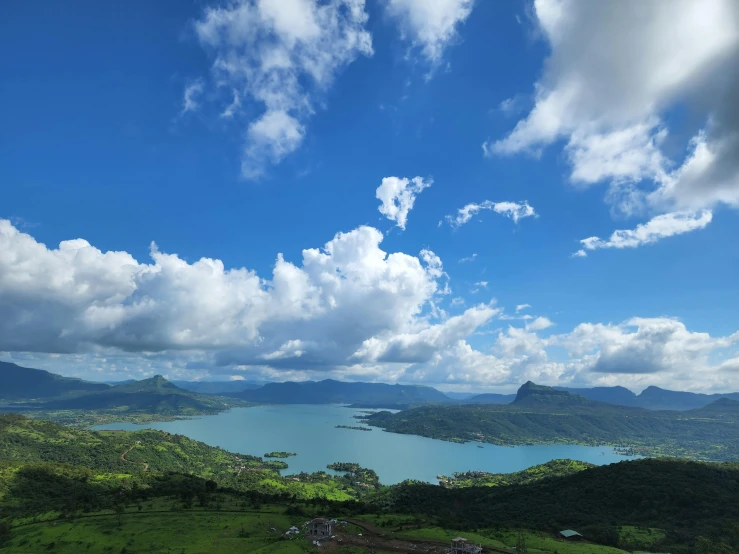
4, 532
521, 547
707, 546
120, 509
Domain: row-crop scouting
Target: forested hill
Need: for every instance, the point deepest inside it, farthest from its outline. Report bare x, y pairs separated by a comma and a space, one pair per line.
339, 392
23, 383
154, 396
31, 441
543, 415
685, 498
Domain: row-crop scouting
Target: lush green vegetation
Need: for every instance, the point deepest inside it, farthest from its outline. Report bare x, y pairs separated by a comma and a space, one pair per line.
227, 524
139, 455
354, 427
682, 500
555, 468
102, 491
280, 454
544, 415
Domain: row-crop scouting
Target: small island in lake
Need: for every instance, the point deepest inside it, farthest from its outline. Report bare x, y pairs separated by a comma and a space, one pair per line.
279, 454
356, 428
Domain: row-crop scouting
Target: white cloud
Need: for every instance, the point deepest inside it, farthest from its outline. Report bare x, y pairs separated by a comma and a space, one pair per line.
510, 106
514, 210
190, 97
397, 196
76, 298
430, 25
615, 71
282, 56
349, 310
645, 346
421, 346
468, 259
520, 307
234, 107
539, 324
658, 228
477, 287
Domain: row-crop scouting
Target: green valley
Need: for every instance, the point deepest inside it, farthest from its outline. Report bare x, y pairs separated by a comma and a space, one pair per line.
63, 489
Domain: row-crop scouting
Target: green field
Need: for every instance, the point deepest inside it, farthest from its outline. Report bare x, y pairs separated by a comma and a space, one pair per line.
159, 528
232, 525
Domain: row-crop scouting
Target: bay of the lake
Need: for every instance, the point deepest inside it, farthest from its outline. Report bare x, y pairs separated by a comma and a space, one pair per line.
310, 431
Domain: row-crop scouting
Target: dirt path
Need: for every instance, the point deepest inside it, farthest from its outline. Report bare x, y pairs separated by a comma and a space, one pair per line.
123, 457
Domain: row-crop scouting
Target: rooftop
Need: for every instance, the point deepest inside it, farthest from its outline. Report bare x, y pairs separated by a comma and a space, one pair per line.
567, 533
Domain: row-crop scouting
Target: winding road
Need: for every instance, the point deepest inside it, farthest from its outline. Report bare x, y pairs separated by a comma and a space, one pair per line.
123, 457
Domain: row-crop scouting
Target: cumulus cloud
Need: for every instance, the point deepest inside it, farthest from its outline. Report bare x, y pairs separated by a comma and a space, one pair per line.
281, 56
520, 307
75, 298
397, 196
429, 25
421, 346
348, 310
644, 346
513, 210
539, 324
615, 70
658, 228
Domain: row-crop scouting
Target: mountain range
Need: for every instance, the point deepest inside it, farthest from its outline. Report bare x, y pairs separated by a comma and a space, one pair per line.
156, 395
34, 385
652, 398
330, 391
23, 383
543, 415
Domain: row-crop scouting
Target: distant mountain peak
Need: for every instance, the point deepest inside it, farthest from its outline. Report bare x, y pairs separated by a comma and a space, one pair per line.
531, 392
156, 383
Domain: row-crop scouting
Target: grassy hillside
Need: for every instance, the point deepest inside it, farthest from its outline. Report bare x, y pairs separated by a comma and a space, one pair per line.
140, 456
555, 468
27, 384
543, 415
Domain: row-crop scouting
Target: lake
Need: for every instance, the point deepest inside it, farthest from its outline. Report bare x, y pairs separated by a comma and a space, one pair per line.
309, 430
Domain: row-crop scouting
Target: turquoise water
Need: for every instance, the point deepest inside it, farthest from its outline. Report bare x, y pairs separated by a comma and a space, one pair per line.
310, 432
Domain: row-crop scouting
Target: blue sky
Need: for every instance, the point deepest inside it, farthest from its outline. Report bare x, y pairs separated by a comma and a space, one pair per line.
240, 131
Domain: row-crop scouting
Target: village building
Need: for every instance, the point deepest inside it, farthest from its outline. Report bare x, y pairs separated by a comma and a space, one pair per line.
320, 528
463, 546
571, 535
